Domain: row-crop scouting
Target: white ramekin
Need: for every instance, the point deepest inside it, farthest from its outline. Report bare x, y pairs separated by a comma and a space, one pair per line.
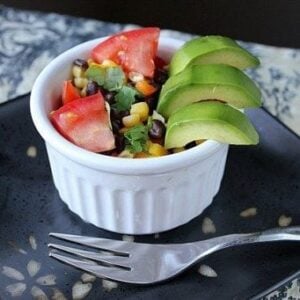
139, 196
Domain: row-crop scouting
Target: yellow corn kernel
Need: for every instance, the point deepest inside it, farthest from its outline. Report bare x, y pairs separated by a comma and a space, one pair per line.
157, 149
108, 63
131, 120
126, 154
80, 82
94, 64
83, 92
177, 150
77, 71
141, 155
123, 130
142, 109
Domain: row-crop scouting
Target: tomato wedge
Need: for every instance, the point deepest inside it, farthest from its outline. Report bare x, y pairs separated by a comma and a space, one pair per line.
134, 50
70, 92
85, 122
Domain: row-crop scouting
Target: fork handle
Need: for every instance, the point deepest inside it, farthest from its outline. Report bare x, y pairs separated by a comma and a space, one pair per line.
278, 234
270, 235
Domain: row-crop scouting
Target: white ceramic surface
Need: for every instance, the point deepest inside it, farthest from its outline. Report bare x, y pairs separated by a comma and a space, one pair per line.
140, 196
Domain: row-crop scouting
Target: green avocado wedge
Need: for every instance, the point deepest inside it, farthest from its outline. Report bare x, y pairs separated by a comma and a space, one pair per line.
211, 49
208, 82
209, 120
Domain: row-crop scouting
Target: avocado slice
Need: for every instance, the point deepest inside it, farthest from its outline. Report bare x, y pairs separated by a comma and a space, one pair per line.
211, 49
208, 82
209, 120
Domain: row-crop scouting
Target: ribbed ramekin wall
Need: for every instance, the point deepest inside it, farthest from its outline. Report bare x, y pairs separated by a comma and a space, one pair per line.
135, 204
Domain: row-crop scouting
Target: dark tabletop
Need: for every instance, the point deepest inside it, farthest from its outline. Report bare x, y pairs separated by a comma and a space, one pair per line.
265, 177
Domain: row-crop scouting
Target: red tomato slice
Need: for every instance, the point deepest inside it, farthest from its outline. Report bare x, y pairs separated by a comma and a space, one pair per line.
70, 92
85, 122
134, 50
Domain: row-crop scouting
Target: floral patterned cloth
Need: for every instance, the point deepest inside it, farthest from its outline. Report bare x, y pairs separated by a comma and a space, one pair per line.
290, 291
30, 40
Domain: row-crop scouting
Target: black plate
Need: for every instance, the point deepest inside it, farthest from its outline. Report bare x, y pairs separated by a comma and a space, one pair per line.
266, 177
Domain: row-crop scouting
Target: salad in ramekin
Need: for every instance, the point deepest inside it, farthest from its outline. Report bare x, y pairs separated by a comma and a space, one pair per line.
118, 100
135, 95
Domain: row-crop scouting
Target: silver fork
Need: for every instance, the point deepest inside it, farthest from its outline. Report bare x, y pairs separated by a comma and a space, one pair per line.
141, 263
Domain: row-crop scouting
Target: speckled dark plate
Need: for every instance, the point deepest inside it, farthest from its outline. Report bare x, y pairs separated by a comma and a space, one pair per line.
266, 177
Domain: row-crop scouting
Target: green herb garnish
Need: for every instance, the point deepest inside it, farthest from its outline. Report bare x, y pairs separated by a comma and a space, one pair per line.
110, 78
96, 73
115, 78
125, 98
136, 138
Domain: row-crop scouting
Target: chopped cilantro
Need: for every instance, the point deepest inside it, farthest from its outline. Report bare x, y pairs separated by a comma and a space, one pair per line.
136, 138
96, 73
115, 78
111, 78
125, 98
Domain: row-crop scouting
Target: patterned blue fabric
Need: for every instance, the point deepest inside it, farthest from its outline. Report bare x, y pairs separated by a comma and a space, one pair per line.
288, 291
30, 40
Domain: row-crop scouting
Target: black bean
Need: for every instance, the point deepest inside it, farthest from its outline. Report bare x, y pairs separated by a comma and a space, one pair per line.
157, 130
124, 113
160, 76
92, 88
81, 63
116, 125
190, 145
114, 114
152, 103
109, 97
120, 142
102, 90
118, 115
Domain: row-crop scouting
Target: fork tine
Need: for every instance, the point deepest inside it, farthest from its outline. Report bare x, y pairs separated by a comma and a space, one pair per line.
112, 273
119, 261
121, 247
